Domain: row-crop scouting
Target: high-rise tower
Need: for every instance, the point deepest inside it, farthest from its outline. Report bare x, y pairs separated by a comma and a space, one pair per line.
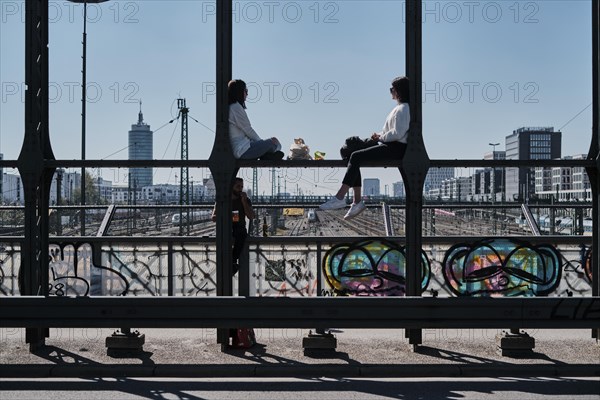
529, 144
140, 148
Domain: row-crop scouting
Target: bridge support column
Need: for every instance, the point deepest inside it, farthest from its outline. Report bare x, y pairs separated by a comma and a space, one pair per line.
416, 161
125, 343
594, 154
221, 160
515, 343
319, 343
33, 271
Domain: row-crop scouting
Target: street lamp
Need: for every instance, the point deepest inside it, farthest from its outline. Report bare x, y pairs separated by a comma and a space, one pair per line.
494, 171
83, 101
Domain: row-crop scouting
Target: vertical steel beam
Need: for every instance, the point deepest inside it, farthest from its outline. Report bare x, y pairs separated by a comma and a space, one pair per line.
594, 152
184, 178
221, 160
416, 161
170, 270
83, 114
33, 272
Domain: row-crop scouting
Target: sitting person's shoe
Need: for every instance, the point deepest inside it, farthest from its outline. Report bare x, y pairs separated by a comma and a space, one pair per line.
355, 209
333, 204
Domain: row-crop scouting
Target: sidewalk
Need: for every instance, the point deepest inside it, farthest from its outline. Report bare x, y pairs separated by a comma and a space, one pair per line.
360, 353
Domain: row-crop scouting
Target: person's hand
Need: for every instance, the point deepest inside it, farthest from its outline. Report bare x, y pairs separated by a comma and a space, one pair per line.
375, 136
243, 196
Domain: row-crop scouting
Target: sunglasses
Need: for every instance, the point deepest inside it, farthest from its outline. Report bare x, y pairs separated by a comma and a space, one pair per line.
391, 90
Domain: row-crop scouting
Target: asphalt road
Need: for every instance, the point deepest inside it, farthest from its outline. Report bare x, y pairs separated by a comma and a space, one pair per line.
291, 388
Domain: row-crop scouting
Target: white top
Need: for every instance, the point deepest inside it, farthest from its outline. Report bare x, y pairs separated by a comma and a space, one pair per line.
396, 125
241, 133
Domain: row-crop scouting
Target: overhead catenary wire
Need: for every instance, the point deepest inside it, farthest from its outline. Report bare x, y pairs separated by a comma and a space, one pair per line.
576, 115
167, 148
126, 147
201, 123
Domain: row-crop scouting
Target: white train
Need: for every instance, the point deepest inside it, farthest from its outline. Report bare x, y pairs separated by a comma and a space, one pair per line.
312, 216
196, 216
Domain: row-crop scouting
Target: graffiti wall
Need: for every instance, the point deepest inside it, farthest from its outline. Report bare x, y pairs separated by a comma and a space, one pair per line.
370, 268
287, 270
10, 259
365, 268
499, 267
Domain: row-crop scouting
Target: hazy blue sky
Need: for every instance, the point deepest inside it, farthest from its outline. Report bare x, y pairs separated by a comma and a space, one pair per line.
316, 69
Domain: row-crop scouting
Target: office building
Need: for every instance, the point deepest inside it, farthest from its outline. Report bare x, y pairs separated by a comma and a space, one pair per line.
398, 190
563, 183
371, 187
433, 182
528, 143
12, 189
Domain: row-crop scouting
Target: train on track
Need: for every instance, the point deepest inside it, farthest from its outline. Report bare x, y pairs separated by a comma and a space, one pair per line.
195, 217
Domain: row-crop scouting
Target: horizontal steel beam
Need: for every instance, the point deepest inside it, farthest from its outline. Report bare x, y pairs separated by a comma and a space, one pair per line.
320, 312
9, 164
305, 240
458, 163
289, 203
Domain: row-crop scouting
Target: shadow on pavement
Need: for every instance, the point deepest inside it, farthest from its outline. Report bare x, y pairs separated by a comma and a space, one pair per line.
461, 358
320, 388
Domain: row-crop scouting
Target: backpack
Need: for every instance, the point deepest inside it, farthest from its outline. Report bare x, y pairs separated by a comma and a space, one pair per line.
244, 338
354, 143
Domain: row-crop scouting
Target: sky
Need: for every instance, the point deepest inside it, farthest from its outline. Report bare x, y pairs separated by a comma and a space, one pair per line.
319, 70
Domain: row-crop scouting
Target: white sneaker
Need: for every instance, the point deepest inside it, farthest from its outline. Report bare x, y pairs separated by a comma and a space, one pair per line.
355, 209
333, 204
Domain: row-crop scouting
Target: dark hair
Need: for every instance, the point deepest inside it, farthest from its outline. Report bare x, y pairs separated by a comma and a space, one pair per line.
236, 91
400, 85
237, 179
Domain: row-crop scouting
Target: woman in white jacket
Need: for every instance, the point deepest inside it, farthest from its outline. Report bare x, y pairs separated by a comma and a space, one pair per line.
391, 147
245, 142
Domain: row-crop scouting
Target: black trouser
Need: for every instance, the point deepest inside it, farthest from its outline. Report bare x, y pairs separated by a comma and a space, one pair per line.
239, 239
392, 151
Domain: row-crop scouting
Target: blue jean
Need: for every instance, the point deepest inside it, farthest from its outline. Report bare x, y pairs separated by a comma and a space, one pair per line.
259, 148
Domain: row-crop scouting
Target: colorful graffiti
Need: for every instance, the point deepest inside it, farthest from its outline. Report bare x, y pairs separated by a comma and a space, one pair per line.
370, 268
501, 267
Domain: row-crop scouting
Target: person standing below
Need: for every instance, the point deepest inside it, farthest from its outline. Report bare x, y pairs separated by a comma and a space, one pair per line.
245, 142
241, 207
391, 146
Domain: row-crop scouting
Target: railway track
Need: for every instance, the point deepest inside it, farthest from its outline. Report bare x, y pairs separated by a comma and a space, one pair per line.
474, 222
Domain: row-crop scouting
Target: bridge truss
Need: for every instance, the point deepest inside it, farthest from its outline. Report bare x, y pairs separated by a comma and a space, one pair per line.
37, 165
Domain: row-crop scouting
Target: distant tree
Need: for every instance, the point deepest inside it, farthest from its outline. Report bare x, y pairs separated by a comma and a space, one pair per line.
92, 193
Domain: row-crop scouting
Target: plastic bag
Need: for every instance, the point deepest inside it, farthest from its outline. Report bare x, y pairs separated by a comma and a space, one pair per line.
299, 150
